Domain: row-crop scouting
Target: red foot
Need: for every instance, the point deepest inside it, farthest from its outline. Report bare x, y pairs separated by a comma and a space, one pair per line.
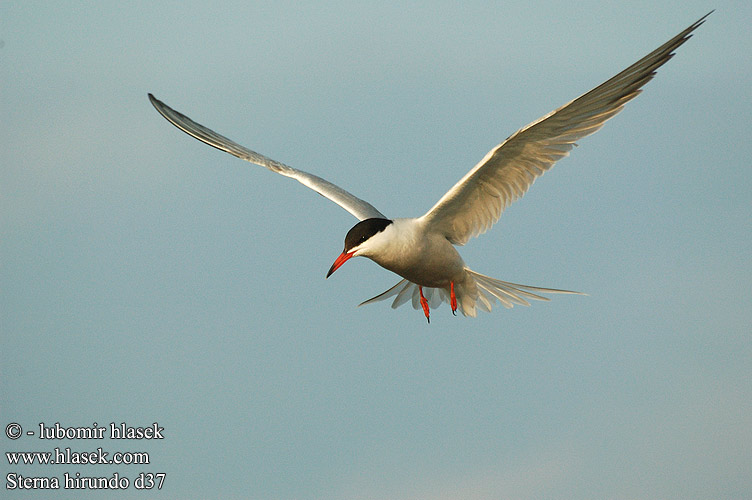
424, 304
452, 298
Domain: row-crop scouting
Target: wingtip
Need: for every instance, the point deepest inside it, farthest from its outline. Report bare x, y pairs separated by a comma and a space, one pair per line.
162, 108
702, 20
154, 101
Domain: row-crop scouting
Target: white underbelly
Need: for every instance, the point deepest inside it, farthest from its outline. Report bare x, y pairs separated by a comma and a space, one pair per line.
430, 262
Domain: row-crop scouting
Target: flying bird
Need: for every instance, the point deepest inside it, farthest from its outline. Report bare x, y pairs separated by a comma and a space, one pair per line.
423, 250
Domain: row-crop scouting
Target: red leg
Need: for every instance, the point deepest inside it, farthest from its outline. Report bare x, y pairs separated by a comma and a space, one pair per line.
452, 298
424, 304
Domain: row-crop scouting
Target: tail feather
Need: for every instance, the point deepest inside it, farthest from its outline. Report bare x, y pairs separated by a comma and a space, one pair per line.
415, 298
407, 291
479, 291
403, 296
399, 290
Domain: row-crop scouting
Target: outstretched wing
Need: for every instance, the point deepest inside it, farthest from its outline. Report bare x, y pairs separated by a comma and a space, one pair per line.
359, 208
476, 202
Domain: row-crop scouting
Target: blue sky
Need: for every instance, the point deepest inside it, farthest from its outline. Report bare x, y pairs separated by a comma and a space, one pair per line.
146, 277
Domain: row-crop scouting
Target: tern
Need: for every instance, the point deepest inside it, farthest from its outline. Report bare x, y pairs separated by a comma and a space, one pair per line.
423, 250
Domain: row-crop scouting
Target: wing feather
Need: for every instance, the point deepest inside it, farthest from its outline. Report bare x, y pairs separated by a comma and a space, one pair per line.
476, 202
359, 208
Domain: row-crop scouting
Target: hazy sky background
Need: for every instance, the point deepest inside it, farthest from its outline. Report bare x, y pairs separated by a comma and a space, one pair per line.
146, 277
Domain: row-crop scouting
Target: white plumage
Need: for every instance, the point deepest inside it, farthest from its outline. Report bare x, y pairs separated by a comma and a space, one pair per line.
422, 250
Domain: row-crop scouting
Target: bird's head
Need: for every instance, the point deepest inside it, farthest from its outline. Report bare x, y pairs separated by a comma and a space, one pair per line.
358, 239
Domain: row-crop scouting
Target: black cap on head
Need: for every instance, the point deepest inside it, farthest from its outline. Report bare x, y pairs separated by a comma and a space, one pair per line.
363, 230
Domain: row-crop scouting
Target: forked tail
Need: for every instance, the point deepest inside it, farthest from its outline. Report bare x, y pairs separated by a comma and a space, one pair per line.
477, 291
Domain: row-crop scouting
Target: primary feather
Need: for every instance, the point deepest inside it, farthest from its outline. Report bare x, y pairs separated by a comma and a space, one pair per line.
476, 202
359, 208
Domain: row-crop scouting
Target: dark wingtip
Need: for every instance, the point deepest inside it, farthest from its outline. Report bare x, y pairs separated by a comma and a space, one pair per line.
154, 101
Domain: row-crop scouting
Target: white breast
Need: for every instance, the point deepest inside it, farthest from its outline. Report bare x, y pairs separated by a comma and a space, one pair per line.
405, 248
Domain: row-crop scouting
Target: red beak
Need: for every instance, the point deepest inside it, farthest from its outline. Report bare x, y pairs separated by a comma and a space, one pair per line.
344, 257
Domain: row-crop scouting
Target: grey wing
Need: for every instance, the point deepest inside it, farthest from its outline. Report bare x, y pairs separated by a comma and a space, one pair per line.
359, 208
476, 202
